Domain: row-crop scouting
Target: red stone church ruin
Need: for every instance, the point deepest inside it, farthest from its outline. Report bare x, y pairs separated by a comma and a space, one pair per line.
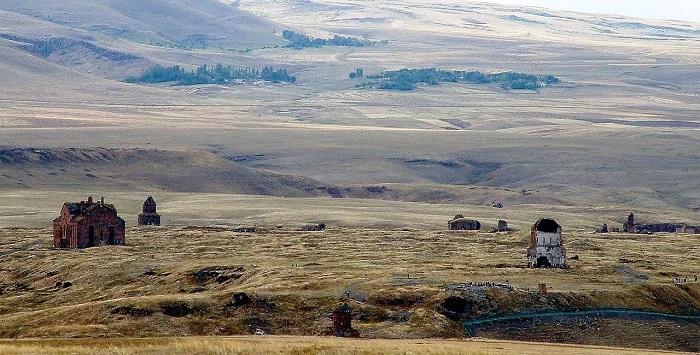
88, 224
342, 322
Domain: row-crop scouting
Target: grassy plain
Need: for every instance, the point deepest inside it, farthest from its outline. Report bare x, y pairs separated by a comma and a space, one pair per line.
175, 281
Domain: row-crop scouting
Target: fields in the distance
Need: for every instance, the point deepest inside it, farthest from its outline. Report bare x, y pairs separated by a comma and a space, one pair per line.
620, 129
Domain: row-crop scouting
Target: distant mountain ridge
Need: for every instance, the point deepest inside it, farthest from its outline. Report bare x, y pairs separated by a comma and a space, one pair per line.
160, 22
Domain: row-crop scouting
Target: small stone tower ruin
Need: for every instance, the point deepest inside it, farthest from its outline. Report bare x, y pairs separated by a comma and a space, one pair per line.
630, 226
546, 248
342, 326
149, 217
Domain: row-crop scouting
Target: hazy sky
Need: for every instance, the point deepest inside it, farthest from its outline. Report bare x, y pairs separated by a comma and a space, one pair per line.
662, 9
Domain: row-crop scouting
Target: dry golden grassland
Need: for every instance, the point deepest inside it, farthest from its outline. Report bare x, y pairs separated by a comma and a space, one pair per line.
298, 346
397, 278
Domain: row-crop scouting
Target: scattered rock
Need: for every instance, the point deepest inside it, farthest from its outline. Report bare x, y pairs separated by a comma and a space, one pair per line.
314, 227
239, 299
177, 308
603, 229
132, 311
245, 229
219, 274
198, 289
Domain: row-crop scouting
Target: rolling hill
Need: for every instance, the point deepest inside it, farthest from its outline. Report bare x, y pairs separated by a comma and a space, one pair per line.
170, 23
620, 128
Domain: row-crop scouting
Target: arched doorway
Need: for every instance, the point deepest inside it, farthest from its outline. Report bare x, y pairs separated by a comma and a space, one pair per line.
542, 261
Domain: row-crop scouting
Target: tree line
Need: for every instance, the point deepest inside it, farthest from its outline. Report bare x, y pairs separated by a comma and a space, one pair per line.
218, 74
406, 79
299, 41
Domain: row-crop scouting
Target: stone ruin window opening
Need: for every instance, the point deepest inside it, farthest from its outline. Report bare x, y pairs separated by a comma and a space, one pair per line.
543, 261
111, 235
91, 237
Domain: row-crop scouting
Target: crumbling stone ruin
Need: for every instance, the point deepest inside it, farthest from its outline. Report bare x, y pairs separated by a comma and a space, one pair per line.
315, 227
684, 228
149, 217
461, 223
658, 228
502, 227
342, 322
603, 229
546, 247
630, 226
88, 224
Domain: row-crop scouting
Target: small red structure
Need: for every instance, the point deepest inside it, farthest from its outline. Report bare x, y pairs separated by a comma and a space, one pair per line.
149, 217
342, 322
88, 224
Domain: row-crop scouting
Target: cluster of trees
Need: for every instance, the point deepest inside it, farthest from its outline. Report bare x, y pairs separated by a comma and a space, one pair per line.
219, 74
299, 40
193, 41
406, 79
358, 73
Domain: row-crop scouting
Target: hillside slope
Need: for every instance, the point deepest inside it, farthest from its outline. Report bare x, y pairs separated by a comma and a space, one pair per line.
160, 22
141, 169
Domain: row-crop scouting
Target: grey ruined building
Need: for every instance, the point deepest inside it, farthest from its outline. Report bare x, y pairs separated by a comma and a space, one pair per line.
502, 227
632, 226
459, 223
546, 245
149, 216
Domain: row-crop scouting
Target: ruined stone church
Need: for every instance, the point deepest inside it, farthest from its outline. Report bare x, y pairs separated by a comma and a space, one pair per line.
149, 216
546, 245
88, 224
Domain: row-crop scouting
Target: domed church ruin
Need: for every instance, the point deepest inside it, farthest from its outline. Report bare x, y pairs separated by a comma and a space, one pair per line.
149, 216
546, 248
